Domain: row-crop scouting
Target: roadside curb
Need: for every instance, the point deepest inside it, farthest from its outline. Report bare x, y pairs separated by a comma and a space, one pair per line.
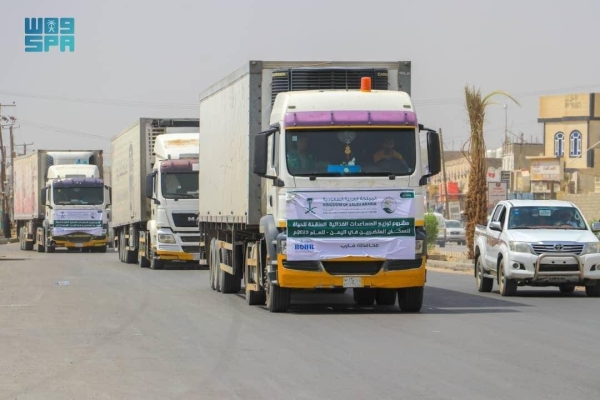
451, 265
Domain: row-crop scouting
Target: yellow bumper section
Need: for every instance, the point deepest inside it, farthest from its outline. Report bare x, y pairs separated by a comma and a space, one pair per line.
174, 255
91, 243
296, 279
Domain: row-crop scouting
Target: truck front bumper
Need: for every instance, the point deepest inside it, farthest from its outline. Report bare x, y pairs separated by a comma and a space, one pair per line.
66, 242
373, 273
553, 268
166, 255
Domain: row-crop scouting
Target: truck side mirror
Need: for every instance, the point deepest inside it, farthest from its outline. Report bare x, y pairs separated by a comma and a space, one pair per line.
261, 152
434, 153
149, 186
496, 226
43, 196
596, 226
109, 199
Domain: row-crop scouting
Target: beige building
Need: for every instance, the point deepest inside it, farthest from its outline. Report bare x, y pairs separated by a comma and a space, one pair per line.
572, 137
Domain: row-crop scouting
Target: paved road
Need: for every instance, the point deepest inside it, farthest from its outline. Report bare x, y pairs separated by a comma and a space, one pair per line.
121, 332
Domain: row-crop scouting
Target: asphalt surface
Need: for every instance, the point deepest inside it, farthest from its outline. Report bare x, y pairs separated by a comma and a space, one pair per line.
116, 331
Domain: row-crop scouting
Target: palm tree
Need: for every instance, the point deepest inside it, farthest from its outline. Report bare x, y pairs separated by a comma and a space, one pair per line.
474, 151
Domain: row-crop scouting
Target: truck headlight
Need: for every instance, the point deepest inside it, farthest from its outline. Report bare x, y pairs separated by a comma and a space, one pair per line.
419, 247
591, 248
283, 247
166, 238
519, 247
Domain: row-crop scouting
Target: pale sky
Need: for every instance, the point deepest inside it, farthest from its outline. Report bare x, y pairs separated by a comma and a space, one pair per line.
147, 58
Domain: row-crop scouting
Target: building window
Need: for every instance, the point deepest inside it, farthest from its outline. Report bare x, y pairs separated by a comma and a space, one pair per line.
559, 141
575, 144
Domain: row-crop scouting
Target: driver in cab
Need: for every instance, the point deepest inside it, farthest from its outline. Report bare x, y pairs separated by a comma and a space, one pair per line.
387, 152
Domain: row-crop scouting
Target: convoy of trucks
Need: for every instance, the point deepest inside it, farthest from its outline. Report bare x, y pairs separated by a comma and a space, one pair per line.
301, 186
60, 200
310, 176
155, 192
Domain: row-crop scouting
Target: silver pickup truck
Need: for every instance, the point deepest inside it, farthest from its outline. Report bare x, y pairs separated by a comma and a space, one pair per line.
537, 243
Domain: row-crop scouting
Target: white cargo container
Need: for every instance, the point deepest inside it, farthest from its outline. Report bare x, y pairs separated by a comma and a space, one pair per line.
252, 120
153, 224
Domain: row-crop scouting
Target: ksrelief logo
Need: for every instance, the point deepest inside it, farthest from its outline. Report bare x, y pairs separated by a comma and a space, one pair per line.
388, 205
310, 208
407, 195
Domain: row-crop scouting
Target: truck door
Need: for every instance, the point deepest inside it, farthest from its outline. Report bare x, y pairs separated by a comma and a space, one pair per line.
493, 238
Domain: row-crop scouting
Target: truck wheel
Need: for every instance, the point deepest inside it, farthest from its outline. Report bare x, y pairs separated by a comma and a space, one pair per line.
155, 263
50, 249
483, 284
278, 298
364, 296
507, 287
40, 248
385, 297
410, 299
255, 297
229, 283
594, 290
566, 288
144, 263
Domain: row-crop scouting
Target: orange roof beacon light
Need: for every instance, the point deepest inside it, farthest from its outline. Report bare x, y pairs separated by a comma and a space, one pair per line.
365, 84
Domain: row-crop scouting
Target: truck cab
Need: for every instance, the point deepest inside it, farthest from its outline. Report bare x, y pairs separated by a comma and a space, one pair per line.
172, 188
76, 217
537, 243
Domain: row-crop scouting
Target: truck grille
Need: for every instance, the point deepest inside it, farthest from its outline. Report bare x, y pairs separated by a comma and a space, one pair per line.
557, 248
294, 79
352, 268
78, 238
190, 239
191, 249
184, 220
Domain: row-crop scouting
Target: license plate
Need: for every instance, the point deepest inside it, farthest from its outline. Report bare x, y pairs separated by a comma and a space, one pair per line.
78, 244
196, 257
351, 282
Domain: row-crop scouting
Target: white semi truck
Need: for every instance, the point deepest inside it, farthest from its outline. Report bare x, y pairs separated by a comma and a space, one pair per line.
312, 177
155, 192
60, 200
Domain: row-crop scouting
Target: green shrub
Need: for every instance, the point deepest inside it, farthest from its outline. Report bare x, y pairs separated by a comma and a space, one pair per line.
431, 230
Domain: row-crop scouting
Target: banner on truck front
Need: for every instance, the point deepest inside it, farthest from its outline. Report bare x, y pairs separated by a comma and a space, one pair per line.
323, 225
83, 221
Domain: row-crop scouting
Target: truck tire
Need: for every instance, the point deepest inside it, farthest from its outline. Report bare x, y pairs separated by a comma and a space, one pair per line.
594, 290
278, 298
483, 284
256, 297
507, 287
50, 249
410, 299
385, 297
566, 288
364, 296
40, 248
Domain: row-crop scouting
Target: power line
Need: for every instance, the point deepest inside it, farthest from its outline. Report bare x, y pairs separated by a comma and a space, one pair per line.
457, 100
106, 102
61, 130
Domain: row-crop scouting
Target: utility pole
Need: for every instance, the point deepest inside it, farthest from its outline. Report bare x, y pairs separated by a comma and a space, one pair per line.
24, 145
5, 201
447, 207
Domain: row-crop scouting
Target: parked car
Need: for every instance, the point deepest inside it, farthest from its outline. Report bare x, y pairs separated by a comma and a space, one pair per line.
455, 232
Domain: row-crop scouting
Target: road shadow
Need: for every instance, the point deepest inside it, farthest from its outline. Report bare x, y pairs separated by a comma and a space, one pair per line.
436, 301
548, 292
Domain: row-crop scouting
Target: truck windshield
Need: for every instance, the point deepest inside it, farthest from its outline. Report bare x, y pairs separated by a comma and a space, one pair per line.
538, 217
181, 185
78, 195
337, 152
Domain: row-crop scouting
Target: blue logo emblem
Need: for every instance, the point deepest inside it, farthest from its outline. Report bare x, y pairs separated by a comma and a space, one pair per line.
43, 34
